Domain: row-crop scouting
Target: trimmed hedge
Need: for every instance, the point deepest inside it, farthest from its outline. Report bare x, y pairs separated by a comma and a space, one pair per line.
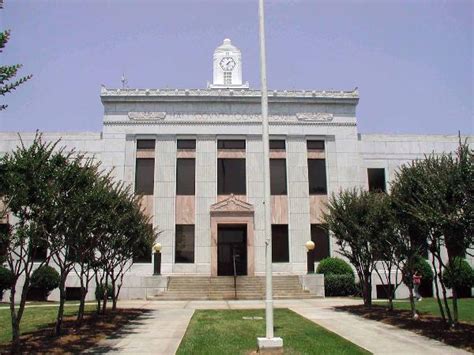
334, 266
458, 274
45, 278
339, 285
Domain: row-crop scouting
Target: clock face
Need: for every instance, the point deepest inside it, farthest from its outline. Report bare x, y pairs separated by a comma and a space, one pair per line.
227, 63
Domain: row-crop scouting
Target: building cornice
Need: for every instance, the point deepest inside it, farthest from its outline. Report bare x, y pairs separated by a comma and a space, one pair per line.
115, 95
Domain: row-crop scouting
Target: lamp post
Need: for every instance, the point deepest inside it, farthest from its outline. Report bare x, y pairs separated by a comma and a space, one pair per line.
269, 341
157, 259
310, 260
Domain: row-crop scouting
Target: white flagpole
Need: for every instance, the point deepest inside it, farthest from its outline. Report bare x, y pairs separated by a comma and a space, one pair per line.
269, 341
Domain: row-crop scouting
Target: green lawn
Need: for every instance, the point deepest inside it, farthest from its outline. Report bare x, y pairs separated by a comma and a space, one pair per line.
430, 305
33, 318
226, 332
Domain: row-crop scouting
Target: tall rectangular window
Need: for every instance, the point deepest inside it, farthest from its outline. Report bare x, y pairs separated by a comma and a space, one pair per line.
4, 231
376, 180
231, 177
184, 246
185, 176
317, 176
320, 237
231, 144
39, 251
278, 176
144, 176
280, 252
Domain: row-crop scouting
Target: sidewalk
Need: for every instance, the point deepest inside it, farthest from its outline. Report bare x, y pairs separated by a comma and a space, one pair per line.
161, 330
157, 332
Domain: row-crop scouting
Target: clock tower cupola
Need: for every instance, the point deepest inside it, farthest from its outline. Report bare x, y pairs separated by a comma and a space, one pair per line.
227, 67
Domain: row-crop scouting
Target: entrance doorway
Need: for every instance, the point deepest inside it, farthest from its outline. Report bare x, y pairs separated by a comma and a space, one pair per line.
231, 244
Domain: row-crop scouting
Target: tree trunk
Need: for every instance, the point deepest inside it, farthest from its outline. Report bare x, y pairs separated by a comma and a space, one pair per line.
455, 306
14, 320
412, 302
62, 299
438, 298
445, 297
368, 289
114, 298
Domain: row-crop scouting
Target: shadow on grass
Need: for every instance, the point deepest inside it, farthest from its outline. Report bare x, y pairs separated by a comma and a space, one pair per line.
113, 325
430, 326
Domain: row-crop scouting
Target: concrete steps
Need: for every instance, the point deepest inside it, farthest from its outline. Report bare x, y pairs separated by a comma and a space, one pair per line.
222, 288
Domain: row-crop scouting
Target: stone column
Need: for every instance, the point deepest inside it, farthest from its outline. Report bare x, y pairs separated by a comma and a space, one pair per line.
298, 201
206, 195
165, 195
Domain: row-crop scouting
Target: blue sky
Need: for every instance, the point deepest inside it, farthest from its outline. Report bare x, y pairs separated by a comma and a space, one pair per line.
412, 60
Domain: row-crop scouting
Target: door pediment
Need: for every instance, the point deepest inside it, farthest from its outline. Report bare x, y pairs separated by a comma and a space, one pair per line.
231, 205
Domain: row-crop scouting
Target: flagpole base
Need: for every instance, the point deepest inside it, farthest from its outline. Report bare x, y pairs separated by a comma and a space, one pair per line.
269, 343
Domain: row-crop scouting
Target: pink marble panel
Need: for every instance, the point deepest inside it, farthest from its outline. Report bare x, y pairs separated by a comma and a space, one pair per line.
231, 153
316, 154
186, 153
317, 207
146, 203
145, 153
185, 209
277, 154
279, 210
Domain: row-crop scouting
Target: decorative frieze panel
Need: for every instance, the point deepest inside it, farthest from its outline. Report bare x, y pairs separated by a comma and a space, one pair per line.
316, 116
146, 116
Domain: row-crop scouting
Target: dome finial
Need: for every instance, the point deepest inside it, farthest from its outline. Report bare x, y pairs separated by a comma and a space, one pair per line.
227, 41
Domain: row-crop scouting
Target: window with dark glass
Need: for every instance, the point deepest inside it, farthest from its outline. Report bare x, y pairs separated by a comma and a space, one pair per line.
142, 252
186, 144
184, 248
320, 237
277, 144
280, 252
39, 250
146, 144
278, 176
315, 145
376, 180
231, 144
185, 176
231, 176
317, 176
144, 176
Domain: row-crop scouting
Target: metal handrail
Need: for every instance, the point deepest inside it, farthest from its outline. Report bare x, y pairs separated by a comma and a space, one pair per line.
234, 256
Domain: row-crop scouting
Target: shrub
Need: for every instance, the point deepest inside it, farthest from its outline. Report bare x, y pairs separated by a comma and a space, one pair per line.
6, 280
339, 285
458, 274
334, 266
45, 278
99, 292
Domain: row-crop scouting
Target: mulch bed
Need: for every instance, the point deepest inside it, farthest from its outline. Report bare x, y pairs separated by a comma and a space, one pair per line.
74, 340
430, 326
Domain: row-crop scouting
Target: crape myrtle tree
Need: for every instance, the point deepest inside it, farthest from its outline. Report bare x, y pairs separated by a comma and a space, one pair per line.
126, 231
385, 240
349, 216
437, 194
25, 185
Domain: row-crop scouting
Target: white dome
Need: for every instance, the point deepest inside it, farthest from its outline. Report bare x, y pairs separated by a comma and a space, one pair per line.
227, 46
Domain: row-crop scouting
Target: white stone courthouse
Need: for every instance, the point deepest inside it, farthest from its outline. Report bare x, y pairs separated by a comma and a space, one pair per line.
196, 156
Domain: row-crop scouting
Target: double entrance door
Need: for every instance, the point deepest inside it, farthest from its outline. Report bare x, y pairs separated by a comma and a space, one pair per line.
231, 249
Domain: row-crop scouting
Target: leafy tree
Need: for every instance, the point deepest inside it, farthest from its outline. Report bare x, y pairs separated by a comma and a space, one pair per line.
8, 72
25, 176
349, 217
437, 195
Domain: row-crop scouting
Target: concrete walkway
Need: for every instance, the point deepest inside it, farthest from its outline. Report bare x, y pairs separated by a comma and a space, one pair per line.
161, 330
157, 332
